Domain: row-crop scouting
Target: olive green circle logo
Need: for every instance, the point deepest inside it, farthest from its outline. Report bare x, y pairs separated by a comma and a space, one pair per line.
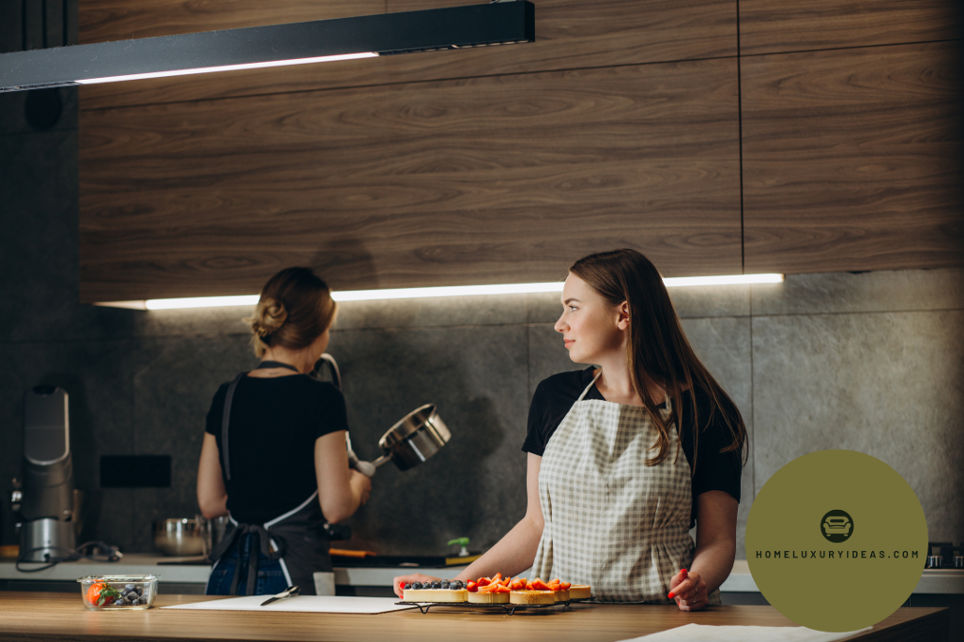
837, 525
836, 540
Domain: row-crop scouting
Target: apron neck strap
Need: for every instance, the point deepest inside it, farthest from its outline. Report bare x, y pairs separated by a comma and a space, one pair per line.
276, 364
589, 387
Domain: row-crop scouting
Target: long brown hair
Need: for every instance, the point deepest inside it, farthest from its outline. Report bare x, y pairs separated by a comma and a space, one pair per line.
295, 308
658, 350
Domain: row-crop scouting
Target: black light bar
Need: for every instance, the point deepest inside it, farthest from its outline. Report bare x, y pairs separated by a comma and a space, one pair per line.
269, 46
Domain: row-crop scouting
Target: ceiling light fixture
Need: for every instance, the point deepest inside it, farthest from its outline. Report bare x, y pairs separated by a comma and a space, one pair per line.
269, 46
431, 292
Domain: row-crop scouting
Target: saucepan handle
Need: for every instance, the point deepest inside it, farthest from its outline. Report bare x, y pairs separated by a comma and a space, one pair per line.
364, 467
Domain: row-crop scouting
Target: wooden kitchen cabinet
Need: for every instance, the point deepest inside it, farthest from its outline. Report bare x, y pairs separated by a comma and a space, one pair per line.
774, 26
853, 159
478, 180
822, 140
570, 34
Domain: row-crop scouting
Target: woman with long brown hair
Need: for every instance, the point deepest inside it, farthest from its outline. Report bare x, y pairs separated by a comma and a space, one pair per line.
274, 455
625, 456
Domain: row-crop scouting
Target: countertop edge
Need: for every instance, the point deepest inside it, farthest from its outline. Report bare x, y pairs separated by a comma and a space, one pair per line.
932, 581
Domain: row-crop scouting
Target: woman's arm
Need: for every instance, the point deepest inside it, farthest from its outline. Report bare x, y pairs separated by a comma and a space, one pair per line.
212, 498
715, 549
341, 490
516, 550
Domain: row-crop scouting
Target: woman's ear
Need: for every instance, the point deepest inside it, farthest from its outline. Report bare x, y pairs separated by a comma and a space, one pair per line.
622, 318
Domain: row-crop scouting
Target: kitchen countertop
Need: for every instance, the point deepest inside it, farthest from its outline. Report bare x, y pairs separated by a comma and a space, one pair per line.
51, 616
932, 581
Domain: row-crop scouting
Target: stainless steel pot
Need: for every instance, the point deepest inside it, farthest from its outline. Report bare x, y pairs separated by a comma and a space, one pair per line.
413, 439
182, 536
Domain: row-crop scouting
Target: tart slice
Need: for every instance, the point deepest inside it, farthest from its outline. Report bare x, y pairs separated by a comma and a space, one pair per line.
560, 589
527, 596
489, 590
489, 594
443, 591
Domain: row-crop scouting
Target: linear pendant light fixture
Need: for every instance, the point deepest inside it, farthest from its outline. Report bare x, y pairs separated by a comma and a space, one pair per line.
269, 46
432, 292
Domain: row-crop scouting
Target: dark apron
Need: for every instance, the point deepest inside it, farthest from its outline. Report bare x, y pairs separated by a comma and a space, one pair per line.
296, 539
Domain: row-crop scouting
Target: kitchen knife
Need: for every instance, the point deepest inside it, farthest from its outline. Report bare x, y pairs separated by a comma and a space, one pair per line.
288, 592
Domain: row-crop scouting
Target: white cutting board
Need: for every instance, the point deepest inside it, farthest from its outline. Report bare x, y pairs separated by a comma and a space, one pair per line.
693, 632
300, 603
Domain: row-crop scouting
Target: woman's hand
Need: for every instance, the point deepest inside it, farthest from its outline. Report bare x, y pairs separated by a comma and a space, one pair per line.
689, 591
414, 577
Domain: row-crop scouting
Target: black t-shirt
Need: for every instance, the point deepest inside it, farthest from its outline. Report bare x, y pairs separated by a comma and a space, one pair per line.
555, 396
274, 425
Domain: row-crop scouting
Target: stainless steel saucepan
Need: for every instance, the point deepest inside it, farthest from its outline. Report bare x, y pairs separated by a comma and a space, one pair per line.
413, 439
182, 536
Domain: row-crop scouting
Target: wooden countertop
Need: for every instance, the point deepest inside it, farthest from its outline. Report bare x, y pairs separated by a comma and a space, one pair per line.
51, 616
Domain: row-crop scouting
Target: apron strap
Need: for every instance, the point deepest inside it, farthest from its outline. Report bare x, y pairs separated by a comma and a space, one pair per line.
276, 364
225, 420
263, 546
589, 387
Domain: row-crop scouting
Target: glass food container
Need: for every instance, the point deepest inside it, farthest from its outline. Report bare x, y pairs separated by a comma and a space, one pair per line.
118, 592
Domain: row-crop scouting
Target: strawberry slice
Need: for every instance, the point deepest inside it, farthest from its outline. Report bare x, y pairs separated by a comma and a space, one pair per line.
471, 586
483, 581
518, 584
538, 585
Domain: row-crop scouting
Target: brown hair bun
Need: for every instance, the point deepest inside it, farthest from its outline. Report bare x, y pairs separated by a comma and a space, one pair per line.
294, 309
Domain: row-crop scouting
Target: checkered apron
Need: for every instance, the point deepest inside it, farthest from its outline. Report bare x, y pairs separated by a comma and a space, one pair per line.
611, 521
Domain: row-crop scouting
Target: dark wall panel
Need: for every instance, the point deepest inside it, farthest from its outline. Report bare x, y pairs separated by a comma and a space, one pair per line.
468, 181
852, 159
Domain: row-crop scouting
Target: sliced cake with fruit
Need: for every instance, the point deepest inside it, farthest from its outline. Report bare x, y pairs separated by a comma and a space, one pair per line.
444, 591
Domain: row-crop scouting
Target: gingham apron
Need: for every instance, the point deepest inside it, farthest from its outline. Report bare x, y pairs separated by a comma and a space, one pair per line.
611, 521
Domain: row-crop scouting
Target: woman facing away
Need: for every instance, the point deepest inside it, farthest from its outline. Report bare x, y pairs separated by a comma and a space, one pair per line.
274, 456
625, 456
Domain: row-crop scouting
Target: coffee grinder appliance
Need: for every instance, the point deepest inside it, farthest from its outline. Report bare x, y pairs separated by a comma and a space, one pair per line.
46, 502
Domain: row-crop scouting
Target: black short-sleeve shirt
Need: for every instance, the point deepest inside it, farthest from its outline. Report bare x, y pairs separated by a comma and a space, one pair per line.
274, 425
555, 396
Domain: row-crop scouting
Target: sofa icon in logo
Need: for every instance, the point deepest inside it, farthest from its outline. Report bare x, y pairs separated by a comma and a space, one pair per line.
837, 526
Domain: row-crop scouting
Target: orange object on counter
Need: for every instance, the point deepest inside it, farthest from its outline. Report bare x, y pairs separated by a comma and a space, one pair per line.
345, 552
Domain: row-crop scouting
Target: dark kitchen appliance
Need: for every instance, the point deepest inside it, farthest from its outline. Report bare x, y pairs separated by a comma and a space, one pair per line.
47, 503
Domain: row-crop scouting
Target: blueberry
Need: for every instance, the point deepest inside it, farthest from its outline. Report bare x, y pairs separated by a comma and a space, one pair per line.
128, 587
436, 585
416, 585
445, 584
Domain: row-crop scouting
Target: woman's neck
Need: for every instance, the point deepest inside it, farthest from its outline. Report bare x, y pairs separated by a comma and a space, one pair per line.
615, 384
